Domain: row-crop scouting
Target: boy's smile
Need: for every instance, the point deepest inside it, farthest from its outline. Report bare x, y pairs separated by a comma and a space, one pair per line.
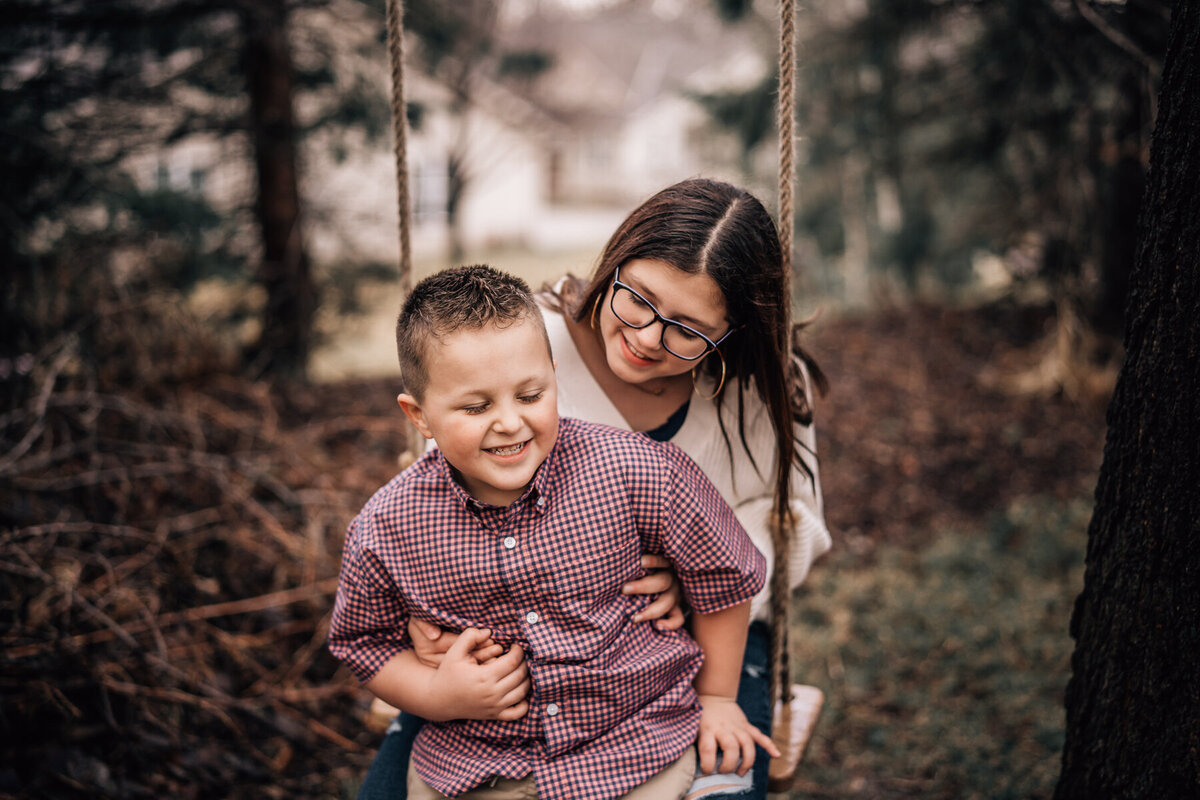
491, 405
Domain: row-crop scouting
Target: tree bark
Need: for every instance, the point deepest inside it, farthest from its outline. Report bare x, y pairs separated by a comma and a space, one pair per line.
1133, 701
283, 345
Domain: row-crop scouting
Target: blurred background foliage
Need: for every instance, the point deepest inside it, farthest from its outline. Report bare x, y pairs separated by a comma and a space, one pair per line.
935, 132
939, 140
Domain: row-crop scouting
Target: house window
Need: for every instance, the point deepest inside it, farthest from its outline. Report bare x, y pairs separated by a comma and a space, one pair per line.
430, 190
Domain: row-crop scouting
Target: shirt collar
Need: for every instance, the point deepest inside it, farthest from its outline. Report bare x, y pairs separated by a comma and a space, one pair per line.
535, 492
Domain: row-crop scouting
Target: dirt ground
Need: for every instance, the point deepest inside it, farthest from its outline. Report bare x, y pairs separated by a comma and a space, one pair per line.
928, 424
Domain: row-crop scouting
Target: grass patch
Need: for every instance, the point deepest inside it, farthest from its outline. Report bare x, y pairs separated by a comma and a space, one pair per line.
944, 668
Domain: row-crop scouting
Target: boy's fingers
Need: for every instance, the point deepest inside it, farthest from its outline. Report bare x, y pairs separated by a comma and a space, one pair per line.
509, 661
514, 712
507, 671
660, 607
516, 695
487, 652
466, 642
507, 681
429, 630
673, 621
654, 583
654, 561
730, 750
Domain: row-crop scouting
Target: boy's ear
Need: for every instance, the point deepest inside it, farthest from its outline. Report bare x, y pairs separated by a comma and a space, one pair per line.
412, 409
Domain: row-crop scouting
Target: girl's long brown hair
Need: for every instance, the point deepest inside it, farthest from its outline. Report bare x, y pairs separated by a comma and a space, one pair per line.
712, 227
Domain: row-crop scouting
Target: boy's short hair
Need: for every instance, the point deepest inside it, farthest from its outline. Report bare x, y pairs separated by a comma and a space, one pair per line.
455, 299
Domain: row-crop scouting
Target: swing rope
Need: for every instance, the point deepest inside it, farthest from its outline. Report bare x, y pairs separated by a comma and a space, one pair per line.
787, 112
395, 43
782, 528
795, 708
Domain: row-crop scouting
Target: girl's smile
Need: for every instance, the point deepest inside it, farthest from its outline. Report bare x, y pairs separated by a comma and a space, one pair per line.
633, 354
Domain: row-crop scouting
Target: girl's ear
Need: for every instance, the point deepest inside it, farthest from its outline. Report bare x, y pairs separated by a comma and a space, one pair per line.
412, 409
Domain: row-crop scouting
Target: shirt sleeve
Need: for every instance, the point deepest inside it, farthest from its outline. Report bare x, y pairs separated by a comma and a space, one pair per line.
370, 622
717, 564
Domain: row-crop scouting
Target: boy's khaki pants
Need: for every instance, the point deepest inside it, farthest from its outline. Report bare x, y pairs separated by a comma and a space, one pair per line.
670, 784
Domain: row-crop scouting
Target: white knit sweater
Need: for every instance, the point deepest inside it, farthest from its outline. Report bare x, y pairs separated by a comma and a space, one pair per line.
748, 491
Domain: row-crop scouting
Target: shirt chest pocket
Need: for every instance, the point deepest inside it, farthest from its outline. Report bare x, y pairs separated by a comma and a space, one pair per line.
593, 569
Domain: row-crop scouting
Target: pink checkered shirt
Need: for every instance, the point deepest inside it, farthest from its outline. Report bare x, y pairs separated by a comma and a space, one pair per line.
612, 701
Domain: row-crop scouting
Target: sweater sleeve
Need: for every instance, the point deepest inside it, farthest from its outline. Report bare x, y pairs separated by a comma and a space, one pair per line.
746, 481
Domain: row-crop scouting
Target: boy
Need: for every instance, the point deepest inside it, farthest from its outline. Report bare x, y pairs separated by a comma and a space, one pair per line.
530, 524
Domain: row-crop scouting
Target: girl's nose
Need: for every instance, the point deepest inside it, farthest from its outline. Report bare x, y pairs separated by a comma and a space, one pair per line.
649, 338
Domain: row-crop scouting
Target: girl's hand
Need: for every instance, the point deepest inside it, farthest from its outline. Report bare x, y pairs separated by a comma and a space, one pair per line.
667, 609
724, 727
431, 644
465, 688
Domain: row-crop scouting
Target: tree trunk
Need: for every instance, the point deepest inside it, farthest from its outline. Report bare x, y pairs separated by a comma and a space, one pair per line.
1133, 701
456, 189
283, 345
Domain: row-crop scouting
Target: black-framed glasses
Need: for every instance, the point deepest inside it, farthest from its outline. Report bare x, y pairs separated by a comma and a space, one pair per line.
681, 341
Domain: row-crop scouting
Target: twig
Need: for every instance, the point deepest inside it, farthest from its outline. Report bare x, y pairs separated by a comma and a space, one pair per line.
292, 694
245, 606
77, 527
209, 704
300, 661
315, 726
95, 477
1122, 41
39, 414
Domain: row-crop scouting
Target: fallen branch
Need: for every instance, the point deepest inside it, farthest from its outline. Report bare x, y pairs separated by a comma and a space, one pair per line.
230, 608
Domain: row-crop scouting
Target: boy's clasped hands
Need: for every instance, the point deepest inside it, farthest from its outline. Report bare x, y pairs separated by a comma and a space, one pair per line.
474, 677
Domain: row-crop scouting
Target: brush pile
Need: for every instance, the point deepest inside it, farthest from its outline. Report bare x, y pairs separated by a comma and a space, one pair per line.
169, 546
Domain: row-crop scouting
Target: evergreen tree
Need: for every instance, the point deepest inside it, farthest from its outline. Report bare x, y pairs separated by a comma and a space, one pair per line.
86, 85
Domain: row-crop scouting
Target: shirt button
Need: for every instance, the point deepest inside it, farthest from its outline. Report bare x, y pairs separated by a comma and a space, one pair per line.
532, 617
541, 501
552, 710
510, 542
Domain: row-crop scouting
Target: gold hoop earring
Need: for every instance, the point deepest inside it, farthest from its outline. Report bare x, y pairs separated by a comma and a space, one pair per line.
720, 383
596, 310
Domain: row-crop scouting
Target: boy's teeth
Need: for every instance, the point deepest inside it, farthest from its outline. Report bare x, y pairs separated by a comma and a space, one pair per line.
507, 451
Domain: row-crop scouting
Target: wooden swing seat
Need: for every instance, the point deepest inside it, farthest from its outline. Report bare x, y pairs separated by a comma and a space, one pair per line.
792, 728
